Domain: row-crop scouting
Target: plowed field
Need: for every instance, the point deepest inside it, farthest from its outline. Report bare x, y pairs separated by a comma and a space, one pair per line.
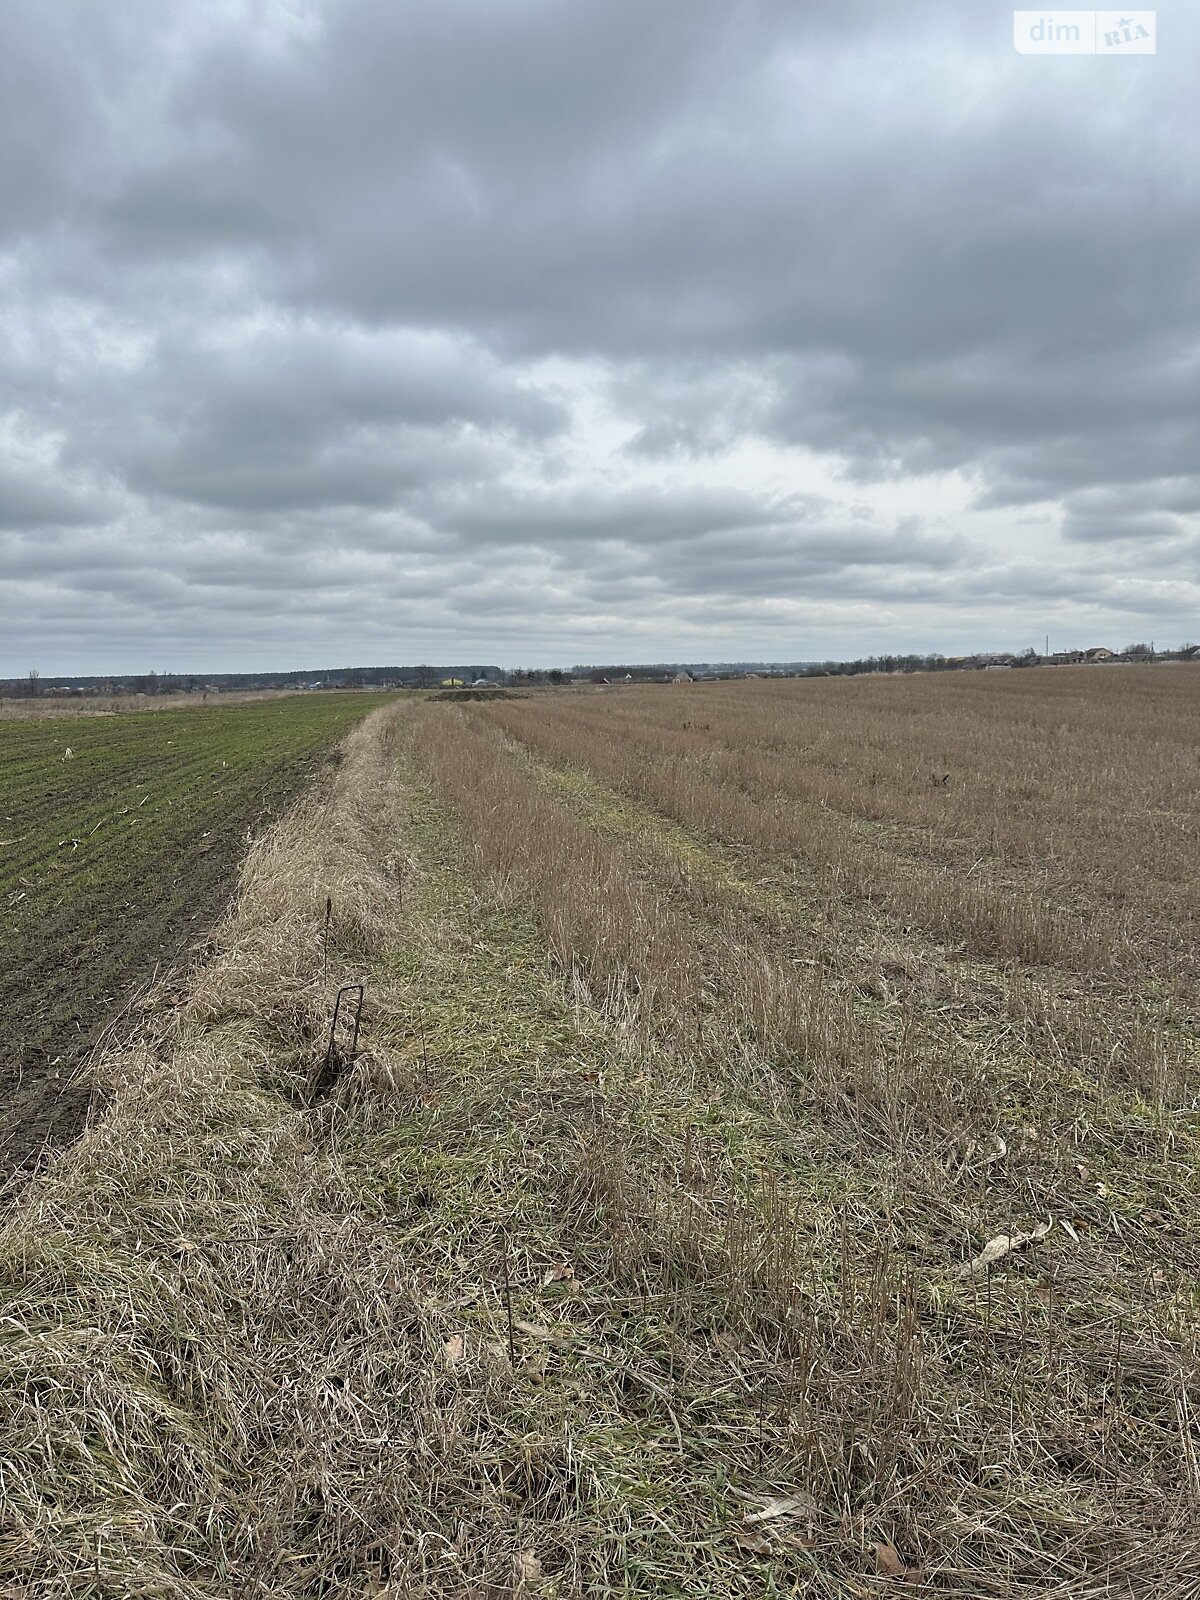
120, 839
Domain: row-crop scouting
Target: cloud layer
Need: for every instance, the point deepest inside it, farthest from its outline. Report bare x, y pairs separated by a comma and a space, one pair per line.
532, 331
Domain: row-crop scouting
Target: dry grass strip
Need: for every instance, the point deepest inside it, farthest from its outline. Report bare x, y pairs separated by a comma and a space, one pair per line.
542, 1301
920, 1388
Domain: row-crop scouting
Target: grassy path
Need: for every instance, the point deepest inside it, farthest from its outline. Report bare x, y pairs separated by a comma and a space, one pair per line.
450, 1332
542, 1146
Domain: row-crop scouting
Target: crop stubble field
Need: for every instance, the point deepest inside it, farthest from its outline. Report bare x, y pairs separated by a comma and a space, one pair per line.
771, 1168
120, 838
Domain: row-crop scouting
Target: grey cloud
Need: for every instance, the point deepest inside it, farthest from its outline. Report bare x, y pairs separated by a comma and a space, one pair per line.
293, 415
800, 562
438, 320
635, 516
976, 288
1089, 527
35, 496
1176, 495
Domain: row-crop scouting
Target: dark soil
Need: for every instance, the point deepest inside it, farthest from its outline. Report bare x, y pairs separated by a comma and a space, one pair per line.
477, 694
77, 967
59, 1001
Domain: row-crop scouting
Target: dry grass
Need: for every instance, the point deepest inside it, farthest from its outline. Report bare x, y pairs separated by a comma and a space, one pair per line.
908, 1126
637, 1255
1064, 831
181, 1285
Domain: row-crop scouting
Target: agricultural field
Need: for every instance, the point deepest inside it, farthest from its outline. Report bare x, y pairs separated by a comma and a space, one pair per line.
26, 708
120, 838
770, 1166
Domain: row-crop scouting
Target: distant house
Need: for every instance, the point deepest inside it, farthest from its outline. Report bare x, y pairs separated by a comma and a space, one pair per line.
481, 683
683, 677
452, 683
1101, 653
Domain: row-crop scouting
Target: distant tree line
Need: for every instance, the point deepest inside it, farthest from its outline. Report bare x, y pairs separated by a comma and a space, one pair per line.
934, 662
427, 676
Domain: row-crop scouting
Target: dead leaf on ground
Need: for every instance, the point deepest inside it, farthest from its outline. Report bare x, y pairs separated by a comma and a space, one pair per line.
752, 1542
984, 1152
529, 1568
996, 1249
792, 1538
454, 1348
534, 1365
535, 1330
562, 1272
783, 1508
889, 1563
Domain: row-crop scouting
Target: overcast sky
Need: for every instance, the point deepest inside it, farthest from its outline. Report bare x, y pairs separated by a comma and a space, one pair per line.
542, 331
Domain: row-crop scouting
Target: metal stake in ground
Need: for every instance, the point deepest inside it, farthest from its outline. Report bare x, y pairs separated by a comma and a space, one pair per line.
512, 1332
336, 1060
